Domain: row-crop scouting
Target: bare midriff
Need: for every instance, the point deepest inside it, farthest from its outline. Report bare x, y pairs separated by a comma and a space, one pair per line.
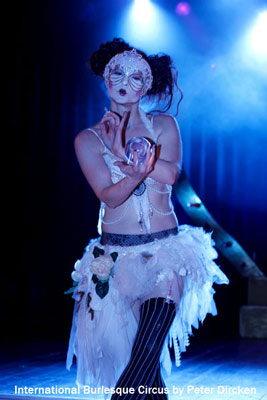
161, 217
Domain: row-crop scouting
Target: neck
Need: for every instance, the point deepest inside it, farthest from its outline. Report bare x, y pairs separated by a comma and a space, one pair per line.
134, 118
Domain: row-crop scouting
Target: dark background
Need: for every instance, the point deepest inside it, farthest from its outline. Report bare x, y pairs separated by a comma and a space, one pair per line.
53, 96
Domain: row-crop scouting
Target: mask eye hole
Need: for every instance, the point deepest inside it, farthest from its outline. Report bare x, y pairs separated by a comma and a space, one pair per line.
116, 76
136, 81
137, 78
116, 73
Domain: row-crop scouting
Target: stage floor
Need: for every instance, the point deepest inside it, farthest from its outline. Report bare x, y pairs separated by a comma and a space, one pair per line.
229, 370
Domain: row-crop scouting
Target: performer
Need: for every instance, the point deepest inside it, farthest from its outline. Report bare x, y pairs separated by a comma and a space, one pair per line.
146, 281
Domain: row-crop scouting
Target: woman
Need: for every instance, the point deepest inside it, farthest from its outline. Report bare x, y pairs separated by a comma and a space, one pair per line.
143, 283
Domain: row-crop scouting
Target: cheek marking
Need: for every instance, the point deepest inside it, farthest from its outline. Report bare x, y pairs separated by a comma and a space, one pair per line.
139, 93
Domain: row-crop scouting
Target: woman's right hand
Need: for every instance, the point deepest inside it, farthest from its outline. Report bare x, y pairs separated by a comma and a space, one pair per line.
111, 131
138, 171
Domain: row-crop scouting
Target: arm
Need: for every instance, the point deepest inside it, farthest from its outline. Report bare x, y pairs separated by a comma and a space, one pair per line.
88, 151
169, 151
168, 162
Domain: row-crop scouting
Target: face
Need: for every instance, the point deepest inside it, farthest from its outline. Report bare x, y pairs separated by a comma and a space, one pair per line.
125, 84
127, 76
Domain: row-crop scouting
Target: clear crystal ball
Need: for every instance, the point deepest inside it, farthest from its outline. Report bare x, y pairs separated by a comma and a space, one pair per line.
139, 144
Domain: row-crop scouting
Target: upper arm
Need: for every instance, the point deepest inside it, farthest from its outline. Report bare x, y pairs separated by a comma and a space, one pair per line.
169, 140
88, 150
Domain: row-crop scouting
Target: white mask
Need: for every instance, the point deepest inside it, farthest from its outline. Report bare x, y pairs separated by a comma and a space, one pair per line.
132, 65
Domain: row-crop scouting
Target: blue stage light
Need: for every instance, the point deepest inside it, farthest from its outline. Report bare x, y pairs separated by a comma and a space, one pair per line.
142, 11
258, 35
151, 27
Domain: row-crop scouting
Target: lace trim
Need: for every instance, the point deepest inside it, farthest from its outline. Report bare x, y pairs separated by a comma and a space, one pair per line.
162, 212
117, 220
169, 189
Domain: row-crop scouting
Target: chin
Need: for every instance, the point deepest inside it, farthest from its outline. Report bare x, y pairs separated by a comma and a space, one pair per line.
125, 100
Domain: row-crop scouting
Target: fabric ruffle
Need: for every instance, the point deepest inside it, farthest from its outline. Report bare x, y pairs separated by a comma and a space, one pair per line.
103, 329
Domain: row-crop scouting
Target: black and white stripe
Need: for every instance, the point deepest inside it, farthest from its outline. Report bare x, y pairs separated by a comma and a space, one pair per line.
143, 369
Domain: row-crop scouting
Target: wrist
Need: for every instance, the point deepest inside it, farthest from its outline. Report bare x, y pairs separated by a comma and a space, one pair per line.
118, 152
131, 182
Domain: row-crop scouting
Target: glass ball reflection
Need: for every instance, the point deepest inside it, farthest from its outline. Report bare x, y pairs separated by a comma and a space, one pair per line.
139, 144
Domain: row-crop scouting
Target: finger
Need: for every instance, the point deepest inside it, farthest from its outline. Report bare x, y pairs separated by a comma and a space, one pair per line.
117, 163
148, 156
117, 144
108, 122
135, 158
105, 111
107, 118
122, 166
123, 120
114, 116
103, 128
151, 156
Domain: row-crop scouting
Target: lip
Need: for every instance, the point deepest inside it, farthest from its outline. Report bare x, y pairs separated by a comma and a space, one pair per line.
122, 92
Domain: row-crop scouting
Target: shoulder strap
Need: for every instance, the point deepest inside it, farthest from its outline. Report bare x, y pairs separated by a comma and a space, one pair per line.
97, 135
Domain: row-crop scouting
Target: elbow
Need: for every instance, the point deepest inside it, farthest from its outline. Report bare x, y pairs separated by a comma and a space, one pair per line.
108, 201
174, 175
111, 205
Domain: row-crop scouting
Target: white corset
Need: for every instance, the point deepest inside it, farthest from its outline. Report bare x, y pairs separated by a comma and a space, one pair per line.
141, 204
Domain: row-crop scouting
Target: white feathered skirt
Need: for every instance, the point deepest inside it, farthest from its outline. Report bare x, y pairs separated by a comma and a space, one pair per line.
180, 267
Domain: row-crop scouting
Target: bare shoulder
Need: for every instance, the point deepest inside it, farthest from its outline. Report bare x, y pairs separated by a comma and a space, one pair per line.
166, 124
88, 139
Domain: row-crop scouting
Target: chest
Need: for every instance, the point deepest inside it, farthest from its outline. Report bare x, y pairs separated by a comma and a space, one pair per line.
139, 130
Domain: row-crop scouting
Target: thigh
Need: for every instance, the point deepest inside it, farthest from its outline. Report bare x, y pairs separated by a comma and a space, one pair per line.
168, 289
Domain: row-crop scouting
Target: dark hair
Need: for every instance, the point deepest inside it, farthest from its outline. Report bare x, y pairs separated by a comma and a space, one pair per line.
164, 73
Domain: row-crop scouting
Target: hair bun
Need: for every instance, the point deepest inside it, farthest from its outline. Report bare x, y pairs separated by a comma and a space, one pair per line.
161, 68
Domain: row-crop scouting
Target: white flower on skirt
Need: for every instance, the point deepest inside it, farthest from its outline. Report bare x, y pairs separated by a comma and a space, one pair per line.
101, 266
76, 274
